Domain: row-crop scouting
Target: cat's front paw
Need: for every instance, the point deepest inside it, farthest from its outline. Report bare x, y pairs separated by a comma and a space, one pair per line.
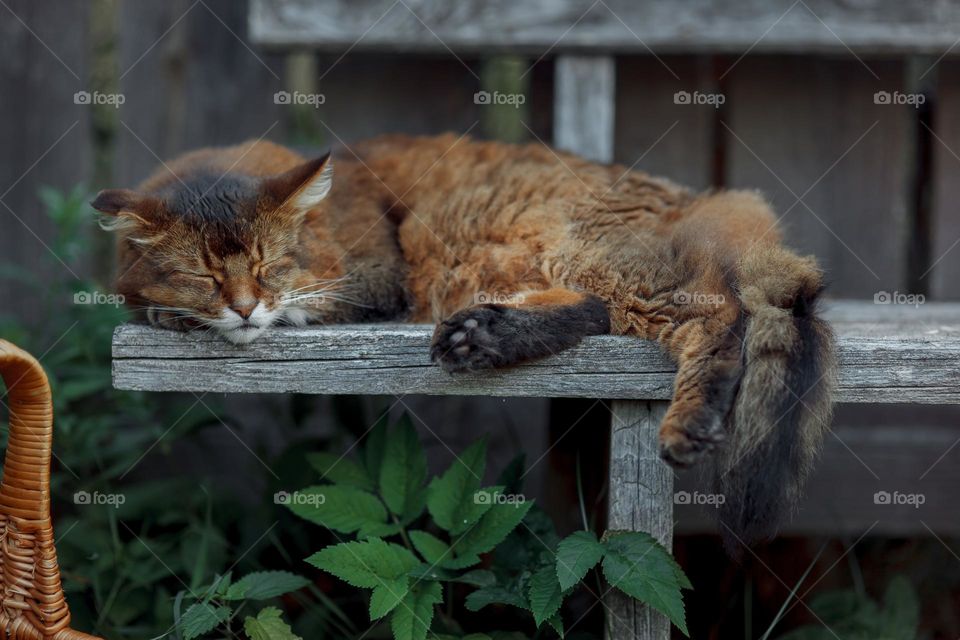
471, 339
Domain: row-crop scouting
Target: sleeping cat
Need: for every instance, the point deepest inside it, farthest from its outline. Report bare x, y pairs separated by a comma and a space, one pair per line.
517, 252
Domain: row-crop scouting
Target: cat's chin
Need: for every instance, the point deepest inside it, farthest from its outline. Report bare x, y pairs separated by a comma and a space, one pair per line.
242, 335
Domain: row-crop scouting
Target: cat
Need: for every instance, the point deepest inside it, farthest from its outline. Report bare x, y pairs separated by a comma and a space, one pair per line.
516, 252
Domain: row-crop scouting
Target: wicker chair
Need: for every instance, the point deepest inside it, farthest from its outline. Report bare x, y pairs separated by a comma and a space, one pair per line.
32, 604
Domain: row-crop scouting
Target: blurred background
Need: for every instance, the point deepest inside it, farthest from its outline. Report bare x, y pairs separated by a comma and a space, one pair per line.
844, 114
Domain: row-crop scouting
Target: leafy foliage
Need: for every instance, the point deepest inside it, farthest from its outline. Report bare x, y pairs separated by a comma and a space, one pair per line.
453, 530
217, 604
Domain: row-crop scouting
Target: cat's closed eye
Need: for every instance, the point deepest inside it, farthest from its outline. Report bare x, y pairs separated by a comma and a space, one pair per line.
276, 268
188, 278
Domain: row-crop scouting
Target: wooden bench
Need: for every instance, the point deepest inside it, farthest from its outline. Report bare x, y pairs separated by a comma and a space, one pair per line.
888, 353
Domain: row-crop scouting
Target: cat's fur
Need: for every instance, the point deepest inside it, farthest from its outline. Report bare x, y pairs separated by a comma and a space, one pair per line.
517, 252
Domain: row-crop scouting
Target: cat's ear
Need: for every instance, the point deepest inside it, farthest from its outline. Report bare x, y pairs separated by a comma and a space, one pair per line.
303, 187
124, 209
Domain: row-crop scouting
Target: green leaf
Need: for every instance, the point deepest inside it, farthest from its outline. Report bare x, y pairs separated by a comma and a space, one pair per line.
341, 470
411, 620
268, 626
639, 566
426, 571
495, 525
341, 508
433, 549
478, 578
374, 446
577, 554
367, 564
265, 584
545, 594
452, 497
387, 596
201, 618
495, 595
556, 622
403, 471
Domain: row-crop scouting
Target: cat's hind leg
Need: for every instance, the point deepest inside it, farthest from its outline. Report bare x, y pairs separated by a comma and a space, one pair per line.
524, 327
709, 370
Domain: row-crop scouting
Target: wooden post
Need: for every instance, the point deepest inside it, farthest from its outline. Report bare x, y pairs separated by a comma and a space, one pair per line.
583, 104
641, 499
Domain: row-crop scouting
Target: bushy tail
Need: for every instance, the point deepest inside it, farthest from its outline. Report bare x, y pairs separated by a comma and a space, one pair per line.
783, 406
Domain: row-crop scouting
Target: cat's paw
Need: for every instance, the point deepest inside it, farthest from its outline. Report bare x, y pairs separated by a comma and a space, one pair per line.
471, 339
683, 445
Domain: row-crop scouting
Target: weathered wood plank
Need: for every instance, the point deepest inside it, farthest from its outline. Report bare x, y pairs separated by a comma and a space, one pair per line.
901, 358
46, 138
584, 105
641, 499
614, 25
656, 134
812, 128
945, 235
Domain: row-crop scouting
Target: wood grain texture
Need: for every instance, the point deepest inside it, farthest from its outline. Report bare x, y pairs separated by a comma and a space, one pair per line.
191, 81
613, 25
810, 128
641, 499
653, 132
583, 106
45, 138
945, 235
888, 353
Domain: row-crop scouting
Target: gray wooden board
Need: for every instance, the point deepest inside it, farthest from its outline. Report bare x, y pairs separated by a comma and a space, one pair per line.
612, 25
653, 132
641, 499
911, 360
793, 130
46, 140
191, 81
945, 241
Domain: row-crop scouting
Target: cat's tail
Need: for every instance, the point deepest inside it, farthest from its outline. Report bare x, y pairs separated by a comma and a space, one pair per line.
783, 405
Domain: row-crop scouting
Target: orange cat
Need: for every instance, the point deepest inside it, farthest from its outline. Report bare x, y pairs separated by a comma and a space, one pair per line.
517, 252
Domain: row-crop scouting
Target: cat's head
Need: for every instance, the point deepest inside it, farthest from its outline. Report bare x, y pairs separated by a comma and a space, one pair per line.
217, 251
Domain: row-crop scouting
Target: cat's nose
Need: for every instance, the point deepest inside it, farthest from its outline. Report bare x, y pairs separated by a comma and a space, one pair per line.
243, 309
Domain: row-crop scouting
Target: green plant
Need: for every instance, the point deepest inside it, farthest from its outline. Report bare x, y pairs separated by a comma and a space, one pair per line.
414, 541
218, 605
